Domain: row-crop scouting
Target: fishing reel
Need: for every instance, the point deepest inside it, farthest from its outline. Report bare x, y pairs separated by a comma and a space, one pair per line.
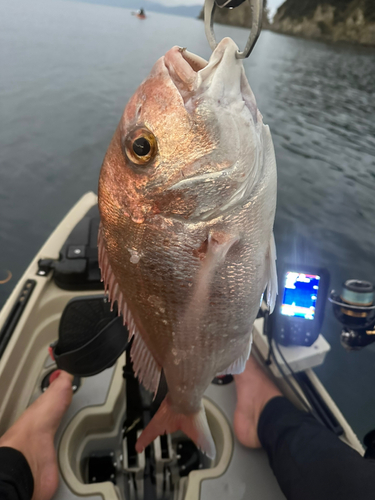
354, 308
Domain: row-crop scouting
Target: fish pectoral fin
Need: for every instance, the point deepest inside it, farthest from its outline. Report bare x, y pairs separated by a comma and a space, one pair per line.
238, 365
144, 365
166, 420
219, 244
214, 249
272, 285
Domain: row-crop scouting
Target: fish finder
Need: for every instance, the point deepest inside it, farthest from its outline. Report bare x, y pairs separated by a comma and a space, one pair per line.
300, 305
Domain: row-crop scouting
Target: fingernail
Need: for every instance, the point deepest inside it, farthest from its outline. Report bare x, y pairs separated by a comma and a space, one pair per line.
50, 352
54, 376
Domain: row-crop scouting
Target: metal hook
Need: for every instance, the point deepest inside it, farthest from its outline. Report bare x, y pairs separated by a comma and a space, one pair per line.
256, 26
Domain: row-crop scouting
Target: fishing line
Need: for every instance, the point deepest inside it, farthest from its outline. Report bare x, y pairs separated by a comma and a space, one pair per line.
292, 373
288, 382
271, 354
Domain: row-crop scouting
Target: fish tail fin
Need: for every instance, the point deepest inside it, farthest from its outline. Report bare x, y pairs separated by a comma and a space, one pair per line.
166, 421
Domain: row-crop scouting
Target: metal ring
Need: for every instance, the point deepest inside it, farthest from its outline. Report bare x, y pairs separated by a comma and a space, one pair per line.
256, 26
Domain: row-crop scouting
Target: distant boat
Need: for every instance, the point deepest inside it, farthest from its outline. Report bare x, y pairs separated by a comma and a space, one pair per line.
140, 14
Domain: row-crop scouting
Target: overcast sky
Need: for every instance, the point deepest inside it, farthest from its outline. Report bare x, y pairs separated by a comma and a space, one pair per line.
273, 5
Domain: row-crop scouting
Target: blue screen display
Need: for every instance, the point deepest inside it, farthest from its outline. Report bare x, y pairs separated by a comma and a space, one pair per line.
300, 294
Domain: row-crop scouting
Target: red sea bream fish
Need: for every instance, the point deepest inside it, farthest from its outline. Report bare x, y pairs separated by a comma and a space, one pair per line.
187, 197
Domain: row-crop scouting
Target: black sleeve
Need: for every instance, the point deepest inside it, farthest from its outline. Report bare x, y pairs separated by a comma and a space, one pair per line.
308, 460
16, 479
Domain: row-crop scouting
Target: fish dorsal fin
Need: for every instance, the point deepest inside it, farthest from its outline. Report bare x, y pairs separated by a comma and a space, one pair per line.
145, 367
238, 365
272, 285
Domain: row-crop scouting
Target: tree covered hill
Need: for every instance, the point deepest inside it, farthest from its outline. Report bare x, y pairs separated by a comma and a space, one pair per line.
332, 20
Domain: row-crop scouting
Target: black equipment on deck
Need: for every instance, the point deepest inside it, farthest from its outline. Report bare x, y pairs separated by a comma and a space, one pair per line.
91, 336
15, 314
300, 306
77, 267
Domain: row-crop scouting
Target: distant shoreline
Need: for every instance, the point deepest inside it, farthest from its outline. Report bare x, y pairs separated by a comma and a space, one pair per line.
330, 21
327, 23
321, 38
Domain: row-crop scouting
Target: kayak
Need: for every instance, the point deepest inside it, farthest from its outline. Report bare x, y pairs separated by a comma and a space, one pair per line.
58, 316
139, 15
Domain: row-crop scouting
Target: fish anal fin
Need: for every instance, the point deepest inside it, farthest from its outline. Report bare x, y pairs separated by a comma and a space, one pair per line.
166, 421
239, 364
145, 367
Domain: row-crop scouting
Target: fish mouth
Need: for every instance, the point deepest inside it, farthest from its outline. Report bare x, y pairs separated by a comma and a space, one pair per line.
183, 67
222, 78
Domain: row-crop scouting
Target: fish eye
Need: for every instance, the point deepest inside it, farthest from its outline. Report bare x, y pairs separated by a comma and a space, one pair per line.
141, 146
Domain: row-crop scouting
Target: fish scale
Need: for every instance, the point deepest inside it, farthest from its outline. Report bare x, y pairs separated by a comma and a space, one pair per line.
188, 253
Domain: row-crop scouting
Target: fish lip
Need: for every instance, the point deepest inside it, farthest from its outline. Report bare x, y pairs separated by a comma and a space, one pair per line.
195, 62
183, 67
178, 60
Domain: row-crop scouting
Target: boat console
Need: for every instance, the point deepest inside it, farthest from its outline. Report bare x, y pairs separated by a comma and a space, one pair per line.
58, 313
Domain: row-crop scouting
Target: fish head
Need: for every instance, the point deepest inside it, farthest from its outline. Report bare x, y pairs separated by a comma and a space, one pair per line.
189, 143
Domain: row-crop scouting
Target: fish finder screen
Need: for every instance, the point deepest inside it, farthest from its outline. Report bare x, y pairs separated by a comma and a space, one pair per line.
300, 294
